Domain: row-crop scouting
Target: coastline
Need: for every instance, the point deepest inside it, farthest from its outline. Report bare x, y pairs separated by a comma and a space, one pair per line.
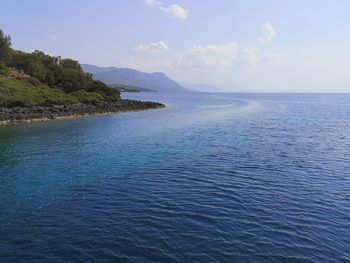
45, 113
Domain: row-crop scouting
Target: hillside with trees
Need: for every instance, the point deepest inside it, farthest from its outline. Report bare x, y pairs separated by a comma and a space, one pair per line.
32, 79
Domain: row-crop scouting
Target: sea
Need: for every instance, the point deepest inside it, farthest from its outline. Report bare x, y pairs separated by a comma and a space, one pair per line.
213, 177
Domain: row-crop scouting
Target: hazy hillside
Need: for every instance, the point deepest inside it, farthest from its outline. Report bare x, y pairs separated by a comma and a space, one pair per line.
130, 77
201, 87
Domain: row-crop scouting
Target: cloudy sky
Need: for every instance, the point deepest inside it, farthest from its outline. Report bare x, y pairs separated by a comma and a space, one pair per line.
245, 45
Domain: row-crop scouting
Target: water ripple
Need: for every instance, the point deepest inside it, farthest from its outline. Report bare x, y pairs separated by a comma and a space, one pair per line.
213, 178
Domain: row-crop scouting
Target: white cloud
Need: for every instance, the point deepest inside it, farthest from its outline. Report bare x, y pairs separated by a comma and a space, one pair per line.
272, 58
53, 37
176, 11
221, 55
249, 56
152, 2
148, 65
268, 33
156, 47
200, 59
213, 57
222, 49
173, 10
253, 57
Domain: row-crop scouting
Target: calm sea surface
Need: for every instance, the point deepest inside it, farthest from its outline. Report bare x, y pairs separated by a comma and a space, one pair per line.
211, 178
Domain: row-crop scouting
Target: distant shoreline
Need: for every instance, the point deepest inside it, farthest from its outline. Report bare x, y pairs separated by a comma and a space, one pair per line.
44, 113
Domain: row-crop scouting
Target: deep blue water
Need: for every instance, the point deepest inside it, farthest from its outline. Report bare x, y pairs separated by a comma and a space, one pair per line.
211, 178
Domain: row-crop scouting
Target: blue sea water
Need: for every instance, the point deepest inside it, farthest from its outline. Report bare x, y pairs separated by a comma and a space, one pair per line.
211, 178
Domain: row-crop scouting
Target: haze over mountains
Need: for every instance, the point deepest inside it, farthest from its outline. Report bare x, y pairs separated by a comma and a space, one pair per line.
129, 77
201, 87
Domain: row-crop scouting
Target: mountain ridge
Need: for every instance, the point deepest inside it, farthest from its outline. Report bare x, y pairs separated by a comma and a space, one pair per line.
157, 81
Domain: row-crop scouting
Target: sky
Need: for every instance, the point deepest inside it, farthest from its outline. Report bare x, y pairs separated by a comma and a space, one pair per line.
236, 45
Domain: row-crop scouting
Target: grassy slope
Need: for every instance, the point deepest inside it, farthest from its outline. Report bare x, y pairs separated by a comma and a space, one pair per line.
31, 92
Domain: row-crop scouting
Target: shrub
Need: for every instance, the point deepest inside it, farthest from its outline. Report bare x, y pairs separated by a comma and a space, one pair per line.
87, 97
34, 81
21, 93
4, 71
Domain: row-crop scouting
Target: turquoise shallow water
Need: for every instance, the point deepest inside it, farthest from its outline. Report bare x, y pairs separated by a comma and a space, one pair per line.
211, 178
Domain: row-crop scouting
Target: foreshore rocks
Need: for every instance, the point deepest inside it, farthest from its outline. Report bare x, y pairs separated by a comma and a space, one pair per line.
18, 114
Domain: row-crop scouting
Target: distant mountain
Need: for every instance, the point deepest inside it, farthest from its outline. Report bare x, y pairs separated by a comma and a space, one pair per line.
200, 87
129, 77
203, 87
128, 88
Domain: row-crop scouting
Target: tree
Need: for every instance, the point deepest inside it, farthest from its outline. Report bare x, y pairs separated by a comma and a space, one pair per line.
108, 93
5, 47
70, 63
52, 66
29, 64
65, 74
73, 80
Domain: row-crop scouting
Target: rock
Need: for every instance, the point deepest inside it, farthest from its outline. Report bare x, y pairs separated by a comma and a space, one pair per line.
56, 111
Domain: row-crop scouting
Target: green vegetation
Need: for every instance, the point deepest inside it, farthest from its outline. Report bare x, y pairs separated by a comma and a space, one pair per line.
31, 92
53, 80
5, 47
87, 97
128, 88
4, 71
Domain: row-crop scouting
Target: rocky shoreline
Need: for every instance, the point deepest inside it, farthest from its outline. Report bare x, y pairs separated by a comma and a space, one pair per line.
37, 113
